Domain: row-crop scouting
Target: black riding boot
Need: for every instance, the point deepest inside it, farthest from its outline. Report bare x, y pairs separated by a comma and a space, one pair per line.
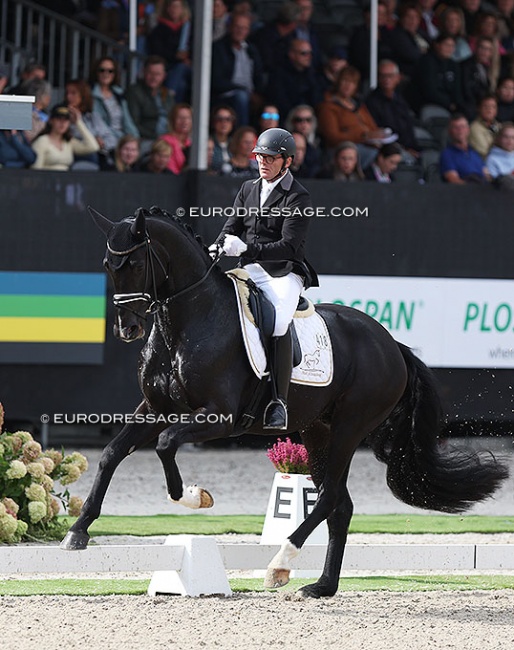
281, 363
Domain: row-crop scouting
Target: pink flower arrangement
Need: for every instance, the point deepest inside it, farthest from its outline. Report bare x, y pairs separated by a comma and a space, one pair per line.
289, 457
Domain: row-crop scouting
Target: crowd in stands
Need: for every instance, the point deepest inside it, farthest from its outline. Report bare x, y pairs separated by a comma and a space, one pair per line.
444, 95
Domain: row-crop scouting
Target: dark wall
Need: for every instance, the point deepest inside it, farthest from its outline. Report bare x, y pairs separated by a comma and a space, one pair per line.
409, 230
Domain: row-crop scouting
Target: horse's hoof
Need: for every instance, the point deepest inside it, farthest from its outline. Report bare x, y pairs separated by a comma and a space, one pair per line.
316, 591
206, 499
74, 541
276, 578
194, 497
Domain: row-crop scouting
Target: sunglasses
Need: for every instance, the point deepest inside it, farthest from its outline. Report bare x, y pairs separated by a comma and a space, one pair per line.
270, 116
110, 70
302, 119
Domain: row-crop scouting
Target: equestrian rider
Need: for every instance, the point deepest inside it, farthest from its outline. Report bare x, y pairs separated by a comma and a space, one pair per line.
268, 233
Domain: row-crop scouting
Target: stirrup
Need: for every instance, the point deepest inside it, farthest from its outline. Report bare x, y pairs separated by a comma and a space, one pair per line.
275, 415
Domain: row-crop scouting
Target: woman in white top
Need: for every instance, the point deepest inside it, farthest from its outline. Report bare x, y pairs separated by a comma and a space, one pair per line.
55, 147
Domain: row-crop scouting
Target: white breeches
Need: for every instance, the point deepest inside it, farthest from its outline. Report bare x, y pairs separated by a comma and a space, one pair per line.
283, 292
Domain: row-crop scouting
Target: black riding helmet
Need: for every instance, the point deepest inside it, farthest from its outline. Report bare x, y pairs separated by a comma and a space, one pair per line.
274, 142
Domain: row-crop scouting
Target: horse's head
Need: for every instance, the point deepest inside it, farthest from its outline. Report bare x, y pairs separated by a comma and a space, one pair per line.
137, 267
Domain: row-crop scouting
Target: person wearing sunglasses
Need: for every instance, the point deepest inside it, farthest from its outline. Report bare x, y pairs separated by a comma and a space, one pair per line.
302, 119
269, 236
109, 99
270, 118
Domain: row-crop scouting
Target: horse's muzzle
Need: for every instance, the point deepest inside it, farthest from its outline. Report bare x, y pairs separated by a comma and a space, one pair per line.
128, 331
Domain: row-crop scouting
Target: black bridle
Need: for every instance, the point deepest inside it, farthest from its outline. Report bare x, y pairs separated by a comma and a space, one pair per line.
124, 300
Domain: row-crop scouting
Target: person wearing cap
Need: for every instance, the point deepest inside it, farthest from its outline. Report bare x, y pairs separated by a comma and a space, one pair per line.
269, 236
55, 146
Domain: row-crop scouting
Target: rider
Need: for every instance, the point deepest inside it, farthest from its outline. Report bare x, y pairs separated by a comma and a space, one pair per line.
269, 231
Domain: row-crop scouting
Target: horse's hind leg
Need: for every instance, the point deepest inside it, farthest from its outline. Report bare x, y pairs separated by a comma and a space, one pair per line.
130, 438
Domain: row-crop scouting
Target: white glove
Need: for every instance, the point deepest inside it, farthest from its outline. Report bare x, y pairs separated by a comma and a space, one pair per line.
233, 246
214, 250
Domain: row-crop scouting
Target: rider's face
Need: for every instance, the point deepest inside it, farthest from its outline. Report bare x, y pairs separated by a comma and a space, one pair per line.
269, 168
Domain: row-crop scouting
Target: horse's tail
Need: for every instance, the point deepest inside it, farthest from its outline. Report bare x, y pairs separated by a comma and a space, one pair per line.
419, 471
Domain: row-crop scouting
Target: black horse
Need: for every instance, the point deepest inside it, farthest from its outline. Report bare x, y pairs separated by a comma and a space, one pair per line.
194, 368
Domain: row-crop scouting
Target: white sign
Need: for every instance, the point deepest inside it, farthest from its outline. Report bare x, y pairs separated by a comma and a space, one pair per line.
448, 322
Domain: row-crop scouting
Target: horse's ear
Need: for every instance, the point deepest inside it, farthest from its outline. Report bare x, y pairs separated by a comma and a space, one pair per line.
102, 222
138, 228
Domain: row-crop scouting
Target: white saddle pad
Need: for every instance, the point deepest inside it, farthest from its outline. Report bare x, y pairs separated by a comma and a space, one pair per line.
316, 367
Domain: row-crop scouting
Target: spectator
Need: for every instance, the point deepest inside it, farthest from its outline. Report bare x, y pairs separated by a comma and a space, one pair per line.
337, 59
358, 49
158, 161
237, 77
170, 39
179, 136
126, 154
303, 120
452, 23
486, 26
392, 15
296, 82
389, 109
437, 79
241, 163
220, 19
78, 95
500, 161
505, 97
476, 80
150, 102
109, 99
306, 32
55, 147
297, 166
382, 169
272, 41
345, 164
42, 91
31, 71
15, 150
222, 124
407, 46
505, 15
344, 118
270, 117
486, 127
429, 25
459, 163
471, 10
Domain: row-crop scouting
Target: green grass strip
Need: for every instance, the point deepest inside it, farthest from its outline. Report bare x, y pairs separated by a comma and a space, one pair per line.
252, 524
105, 587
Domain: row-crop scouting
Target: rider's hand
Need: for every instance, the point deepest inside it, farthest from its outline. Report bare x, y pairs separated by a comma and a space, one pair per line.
233, 246
214, 250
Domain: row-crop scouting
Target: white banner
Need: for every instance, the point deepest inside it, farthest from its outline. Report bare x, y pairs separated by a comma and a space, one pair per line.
448, 322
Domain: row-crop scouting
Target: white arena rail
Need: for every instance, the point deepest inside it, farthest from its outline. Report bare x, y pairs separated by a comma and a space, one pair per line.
195, 565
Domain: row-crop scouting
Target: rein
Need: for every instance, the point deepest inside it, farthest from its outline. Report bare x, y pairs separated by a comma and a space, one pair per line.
123, 300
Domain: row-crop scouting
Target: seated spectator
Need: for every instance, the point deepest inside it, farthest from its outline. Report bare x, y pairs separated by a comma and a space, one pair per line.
78, 95
505, 15
222, 124
486, 26
452, 23
471, 10
55, 147
272, 41
302, 119
31, 71
42, 91
336, 60
392, 14
459, 163
385, 164
358, 48
389, 109
485, 128
437, 78
269, 118
126, 154
237, 77
343, 118
429, 25
407, 46
170, 39
345, 164
150, 102
297, 166
158, 160
476, 80
15, 150
220, 19
109, 99
296, 82
500, 161
242, 165
179, 136
505, 97
306, 32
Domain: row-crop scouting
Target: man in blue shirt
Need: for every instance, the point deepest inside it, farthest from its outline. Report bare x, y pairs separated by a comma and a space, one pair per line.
459, 163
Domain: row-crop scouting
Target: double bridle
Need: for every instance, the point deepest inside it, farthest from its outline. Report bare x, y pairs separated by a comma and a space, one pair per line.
124, 300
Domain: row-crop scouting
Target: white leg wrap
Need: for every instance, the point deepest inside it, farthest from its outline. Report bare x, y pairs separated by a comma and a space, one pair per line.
282, 559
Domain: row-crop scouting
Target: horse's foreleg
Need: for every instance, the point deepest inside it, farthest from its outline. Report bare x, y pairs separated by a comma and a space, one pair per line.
201, 426
130, 438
